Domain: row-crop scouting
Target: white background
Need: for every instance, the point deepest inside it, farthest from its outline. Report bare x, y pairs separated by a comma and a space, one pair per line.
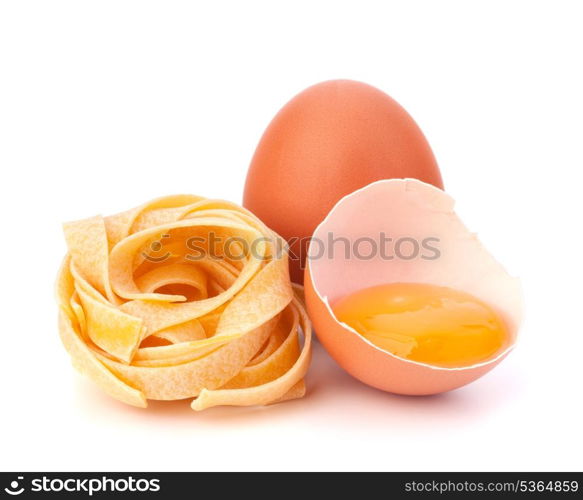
104, 105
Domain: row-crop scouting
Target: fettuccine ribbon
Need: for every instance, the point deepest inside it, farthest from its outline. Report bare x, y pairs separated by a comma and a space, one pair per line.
183, 297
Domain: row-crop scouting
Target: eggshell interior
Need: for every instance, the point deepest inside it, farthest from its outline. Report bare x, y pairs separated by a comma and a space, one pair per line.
409, 211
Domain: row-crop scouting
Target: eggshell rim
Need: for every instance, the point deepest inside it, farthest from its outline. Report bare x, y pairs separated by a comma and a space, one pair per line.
324, 298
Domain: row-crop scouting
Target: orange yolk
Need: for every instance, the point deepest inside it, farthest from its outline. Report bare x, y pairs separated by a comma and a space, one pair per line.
430, 324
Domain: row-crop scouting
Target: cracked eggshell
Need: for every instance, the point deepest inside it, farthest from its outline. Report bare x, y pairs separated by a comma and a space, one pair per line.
401, 209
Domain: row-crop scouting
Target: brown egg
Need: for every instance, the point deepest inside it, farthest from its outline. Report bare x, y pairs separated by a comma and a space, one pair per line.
328, 141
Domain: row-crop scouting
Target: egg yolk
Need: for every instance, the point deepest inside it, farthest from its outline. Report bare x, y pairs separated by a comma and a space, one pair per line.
430, 324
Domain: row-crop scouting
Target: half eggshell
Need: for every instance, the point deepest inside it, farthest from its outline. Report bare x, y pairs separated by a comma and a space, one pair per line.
394, 231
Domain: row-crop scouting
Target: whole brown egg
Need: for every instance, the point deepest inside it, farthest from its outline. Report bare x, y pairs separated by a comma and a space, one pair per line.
328, 141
